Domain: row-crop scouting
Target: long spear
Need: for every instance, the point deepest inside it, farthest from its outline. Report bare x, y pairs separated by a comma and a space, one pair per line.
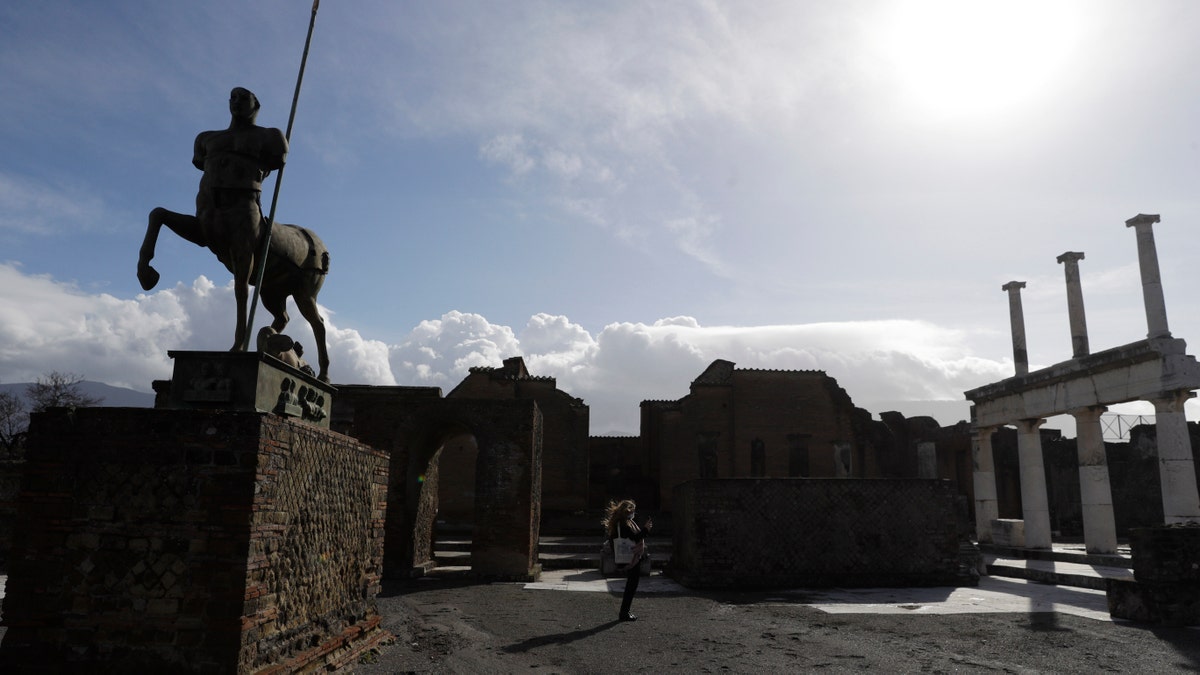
266, 243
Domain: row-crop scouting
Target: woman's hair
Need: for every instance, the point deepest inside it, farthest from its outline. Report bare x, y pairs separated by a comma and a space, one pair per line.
617, 512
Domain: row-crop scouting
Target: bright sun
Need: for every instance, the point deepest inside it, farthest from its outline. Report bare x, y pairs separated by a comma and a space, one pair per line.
956, 58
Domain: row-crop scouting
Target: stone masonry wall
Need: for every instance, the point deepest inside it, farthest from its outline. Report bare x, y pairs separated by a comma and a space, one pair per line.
192, 542
1166, 585
788, 533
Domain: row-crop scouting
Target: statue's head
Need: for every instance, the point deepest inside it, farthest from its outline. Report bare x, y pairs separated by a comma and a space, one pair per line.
243, 103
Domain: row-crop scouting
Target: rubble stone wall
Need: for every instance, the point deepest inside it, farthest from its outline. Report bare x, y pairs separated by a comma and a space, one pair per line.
192, 541
786, 533
1166, 570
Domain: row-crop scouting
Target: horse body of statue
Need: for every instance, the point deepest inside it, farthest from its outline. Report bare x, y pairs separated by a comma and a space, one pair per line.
229, 222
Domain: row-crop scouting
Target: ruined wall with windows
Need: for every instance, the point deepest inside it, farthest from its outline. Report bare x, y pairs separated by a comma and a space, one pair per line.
771, 423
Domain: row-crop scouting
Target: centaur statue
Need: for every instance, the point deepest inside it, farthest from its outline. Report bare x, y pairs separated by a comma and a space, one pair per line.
229, 221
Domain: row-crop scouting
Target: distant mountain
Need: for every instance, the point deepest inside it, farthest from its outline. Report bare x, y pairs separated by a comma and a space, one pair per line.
110, 396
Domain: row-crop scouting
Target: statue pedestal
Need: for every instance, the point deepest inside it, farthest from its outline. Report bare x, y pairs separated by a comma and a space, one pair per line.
193, 541
247, 381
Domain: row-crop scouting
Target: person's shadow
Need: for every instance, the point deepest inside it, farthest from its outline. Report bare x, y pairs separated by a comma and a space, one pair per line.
558, 638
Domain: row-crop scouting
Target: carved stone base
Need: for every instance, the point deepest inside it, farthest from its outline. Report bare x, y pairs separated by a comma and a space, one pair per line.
247, 381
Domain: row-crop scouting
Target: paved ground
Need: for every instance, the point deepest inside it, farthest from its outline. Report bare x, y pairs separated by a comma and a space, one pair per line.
565, 623
992, 595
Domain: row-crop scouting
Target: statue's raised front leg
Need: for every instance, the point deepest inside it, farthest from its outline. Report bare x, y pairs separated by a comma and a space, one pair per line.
184, 225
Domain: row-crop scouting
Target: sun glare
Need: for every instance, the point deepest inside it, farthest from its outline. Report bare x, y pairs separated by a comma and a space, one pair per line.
955, 58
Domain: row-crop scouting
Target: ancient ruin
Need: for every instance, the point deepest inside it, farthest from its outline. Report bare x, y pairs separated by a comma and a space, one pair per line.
754, 423
413, 424
1156, 369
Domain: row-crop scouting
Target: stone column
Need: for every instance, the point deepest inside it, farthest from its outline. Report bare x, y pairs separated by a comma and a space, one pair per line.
1099, 527
1016, 317
986, 505
927, 460
1079, 337
1152, 292
1035, 507
1176, 469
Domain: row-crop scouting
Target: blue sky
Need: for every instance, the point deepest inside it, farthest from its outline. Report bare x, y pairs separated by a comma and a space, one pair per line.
620, 192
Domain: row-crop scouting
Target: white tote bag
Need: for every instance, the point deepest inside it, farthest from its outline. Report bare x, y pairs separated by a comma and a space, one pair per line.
623, 550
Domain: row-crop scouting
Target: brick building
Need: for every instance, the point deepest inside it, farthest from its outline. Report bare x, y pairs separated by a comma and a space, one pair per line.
738, 422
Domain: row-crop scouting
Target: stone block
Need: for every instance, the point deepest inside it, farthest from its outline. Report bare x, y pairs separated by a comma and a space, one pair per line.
1008, 532
1166, 554
1157, 603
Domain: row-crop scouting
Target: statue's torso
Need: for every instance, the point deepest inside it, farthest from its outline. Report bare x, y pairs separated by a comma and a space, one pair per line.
239, 158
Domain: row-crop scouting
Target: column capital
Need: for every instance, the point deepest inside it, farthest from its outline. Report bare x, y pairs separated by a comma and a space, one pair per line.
1172, 401
1030, 425
1091, 412
1070, 257
1013, 286
1143, 219
983, 432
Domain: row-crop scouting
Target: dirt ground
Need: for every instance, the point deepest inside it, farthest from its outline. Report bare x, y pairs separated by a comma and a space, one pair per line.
455, 626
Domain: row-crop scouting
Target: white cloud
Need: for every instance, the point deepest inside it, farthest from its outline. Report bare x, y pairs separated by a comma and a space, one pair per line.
591, 107
48, 325
509, 150
440, 352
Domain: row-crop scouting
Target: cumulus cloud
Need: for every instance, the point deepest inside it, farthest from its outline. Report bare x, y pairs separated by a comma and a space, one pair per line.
49, 325
440, 352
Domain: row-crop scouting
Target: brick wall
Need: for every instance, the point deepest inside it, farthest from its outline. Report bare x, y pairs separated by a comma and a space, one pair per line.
192, 541
788, 533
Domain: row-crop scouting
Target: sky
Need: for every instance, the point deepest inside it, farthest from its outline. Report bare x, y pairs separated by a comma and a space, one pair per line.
620, 192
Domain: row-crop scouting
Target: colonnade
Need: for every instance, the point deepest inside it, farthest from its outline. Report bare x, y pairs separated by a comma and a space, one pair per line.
1050, 392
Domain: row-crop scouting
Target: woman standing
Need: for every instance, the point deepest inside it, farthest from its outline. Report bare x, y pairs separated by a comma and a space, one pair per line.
619, 521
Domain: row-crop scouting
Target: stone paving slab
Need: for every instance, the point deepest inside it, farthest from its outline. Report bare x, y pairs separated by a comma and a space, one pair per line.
1058, 567
992, 595
1056, 572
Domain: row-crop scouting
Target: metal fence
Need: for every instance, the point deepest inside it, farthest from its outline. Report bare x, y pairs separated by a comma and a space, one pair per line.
1115, 428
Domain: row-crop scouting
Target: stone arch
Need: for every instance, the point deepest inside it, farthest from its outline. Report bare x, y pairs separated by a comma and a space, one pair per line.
456, 483
413, 424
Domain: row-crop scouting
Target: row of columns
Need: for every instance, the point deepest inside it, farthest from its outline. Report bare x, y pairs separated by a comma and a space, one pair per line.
1099, 524
1181, 502
1177, 476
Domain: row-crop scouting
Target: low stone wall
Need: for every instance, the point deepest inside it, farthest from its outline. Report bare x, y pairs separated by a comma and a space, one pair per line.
791, 533
1166, 572
192, 541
